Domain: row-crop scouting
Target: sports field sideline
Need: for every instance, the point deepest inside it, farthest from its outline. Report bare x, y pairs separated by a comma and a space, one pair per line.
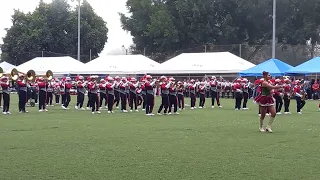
197, 144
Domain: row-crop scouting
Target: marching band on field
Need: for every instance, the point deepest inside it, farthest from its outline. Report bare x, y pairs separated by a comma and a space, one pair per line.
130, 92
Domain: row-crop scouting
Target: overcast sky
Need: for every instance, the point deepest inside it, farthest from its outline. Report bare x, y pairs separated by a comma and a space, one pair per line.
107, 9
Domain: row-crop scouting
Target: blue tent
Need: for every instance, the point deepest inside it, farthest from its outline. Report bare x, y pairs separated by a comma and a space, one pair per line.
274, 66
311, 66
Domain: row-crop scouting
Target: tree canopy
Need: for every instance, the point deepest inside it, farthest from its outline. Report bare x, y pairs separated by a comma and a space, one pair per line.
53, 27
163, 27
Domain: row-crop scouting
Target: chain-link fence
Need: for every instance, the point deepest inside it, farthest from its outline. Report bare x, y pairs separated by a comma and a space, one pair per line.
293, 55
26, 56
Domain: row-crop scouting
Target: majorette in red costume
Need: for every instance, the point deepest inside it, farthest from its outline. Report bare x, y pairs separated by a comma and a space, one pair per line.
265, 98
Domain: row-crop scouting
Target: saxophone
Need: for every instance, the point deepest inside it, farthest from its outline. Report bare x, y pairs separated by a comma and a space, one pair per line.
304, 95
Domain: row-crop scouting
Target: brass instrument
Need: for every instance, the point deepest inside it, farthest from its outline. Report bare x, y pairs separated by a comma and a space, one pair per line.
1, 72
4, 74
49, 75
31, 75
304, 95
14, 74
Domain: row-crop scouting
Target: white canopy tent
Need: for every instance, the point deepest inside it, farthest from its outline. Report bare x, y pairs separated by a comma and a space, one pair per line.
203, 63
58, 65
118, 64
7, 67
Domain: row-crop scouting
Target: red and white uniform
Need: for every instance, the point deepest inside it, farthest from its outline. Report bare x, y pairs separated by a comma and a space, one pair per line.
110, 86
103, 86
68, 86
42, 85
148, 85
213, 84
237, 87
93, 87
56, 87
219, 86
142, 88
287, 89
180, 88
315, 87
5, 88
123, 85
4, 83
22, 85
202, 89
245, 86
192, 88
133, 86
81, 87
297, 90
165, 87
62, 87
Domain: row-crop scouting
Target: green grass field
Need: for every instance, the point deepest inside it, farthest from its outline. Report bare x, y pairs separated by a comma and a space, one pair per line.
200, 144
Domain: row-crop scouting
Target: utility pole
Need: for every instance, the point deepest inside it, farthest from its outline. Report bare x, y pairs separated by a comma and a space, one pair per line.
79, 4
274, 30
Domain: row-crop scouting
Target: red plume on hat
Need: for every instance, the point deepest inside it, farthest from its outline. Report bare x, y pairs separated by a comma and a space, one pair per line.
257, 81
77, 78
143, 77
272, 80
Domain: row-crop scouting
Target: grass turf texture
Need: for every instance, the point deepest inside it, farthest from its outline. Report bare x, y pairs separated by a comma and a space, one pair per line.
200, 144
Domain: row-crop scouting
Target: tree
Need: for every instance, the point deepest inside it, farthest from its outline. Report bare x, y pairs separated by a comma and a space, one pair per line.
189, 24
52, 27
